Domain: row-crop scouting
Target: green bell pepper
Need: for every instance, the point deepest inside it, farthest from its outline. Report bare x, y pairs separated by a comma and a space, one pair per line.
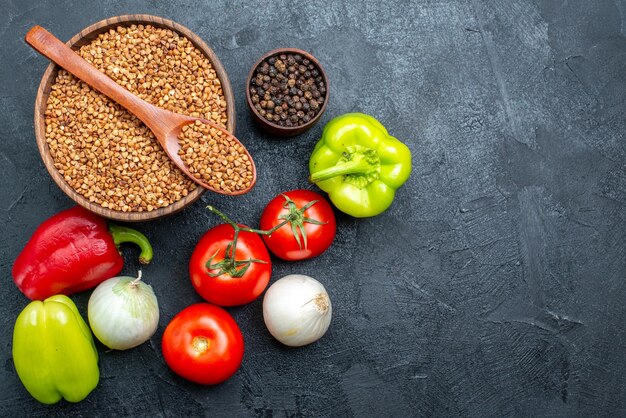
53, 351
359, 164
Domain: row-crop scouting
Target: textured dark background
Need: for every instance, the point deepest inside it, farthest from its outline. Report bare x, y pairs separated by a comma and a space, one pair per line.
494, 285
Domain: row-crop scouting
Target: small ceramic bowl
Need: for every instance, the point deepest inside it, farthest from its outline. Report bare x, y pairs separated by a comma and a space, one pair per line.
271, 127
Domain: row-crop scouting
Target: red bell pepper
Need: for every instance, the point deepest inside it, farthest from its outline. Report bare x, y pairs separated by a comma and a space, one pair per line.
71, 252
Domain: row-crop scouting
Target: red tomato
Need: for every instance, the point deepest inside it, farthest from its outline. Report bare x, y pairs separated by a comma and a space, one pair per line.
227, 289
318, 222
203, 344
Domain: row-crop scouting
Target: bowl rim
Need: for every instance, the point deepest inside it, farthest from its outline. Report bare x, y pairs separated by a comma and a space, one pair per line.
309, 56
85, 36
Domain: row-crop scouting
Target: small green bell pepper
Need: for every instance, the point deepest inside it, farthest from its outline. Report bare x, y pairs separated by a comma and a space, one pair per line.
359, 164
53, 351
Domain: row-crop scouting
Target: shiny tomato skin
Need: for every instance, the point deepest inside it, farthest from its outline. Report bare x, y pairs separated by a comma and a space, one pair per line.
203, 344
225, 290
282, 242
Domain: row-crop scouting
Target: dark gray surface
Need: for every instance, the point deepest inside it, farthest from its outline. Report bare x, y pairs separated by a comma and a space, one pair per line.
494, 286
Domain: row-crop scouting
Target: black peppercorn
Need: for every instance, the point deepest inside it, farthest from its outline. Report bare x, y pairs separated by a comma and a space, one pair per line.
280, 66
287, 89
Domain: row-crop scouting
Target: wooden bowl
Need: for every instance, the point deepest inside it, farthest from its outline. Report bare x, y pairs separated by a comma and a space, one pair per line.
86, 36
271, 127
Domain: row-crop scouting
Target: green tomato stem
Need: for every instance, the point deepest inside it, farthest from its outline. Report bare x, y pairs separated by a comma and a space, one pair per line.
244, 228
236, 268
230, 265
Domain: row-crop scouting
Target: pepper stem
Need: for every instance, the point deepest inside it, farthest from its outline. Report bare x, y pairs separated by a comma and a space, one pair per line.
122, 234
358, 164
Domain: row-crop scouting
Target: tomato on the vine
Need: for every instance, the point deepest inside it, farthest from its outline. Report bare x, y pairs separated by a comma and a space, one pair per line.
310, 228
223, 279
203, 344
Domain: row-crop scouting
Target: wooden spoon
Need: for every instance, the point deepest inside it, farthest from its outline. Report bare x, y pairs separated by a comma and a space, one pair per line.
165, 125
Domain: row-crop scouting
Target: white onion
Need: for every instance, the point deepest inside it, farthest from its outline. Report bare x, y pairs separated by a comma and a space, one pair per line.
123, 312
297, 310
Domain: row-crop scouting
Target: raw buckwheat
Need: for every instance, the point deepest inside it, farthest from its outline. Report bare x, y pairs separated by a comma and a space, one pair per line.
214, 157
103, 151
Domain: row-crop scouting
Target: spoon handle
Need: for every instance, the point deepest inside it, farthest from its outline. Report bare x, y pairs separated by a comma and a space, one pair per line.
51, 47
